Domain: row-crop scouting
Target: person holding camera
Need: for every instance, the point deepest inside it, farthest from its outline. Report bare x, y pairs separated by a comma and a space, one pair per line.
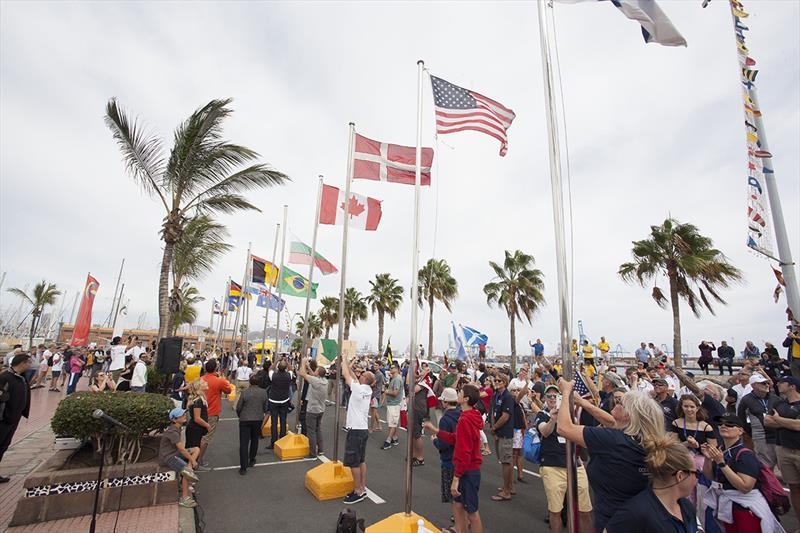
792, 344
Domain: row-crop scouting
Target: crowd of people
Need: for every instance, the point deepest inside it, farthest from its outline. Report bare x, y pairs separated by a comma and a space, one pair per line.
656, 449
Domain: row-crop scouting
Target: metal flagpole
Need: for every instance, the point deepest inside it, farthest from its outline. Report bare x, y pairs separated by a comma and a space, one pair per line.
269, 295
223, 310
781, 237
280, 289
342, 288
414, 288
116, 287
304, 345
241, 302
561, 255
248, 276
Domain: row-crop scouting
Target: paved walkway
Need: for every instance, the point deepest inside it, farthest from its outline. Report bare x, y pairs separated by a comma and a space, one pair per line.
31, 445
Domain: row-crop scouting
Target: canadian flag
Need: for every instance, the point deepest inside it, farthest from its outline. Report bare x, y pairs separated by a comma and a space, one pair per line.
364, 212
374, 160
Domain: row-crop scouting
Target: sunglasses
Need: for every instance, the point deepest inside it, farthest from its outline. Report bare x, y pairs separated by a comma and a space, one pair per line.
729, 425
551, 396
697, 473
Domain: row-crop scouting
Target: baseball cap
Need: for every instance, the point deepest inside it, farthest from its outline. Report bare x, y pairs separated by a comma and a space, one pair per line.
449, 395
550, 387
791, 380
729, 419
176, 413
614, 379
452, 365
659, 381
757, 378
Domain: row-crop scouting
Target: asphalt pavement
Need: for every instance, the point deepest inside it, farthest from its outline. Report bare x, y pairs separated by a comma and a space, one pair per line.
272, 497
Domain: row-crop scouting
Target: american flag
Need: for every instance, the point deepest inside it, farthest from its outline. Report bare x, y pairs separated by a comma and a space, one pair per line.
580, 387
459, 109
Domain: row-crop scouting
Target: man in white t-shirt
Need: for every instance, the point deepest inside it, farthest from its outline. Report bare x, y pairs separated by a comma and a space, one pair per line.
519, 383
243, 377
58, 364
743, 387
357, 425
118, 352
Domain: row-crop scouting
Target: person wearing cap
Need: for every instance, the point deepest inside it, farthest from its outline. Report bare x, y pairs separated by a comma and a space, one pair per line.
751, 411
553, 466
666, 400
447, 423
786, 422
519, 393
172, 453
734, 499
502, 427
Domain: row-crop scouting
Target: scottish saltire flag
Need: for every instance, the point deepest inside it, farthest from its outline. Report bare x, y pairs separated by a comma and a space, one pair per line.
656, 26
473, 337
266, 299
461, 354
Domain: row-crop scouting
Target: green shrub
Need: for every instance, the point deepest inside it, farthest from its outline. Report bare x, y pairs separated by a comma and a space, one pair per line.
143, 413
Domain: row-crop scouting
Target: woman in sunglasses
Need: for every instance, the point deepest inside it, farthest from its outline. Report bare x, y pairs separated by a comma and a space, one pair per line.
617, 471
734, 499
663, 507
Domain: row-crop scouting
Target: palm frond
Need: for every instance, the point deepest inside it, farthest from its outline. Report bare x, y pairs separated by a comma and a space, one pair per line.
225, 203
21, 294
252, 177
658, 296
142, 152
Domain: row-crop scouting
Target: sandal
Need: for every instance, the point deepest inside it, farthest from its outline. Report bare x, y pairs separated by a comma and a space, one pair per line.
499, 498
417, 462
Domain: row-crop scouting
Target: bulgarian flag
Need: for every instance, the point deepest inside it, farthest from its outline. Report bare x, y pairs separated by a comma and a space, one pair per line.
300, 254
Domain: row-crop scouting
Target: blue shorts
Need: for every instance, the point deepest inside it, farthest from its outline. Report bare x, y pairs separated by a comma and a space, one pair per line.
468, 486
177, 464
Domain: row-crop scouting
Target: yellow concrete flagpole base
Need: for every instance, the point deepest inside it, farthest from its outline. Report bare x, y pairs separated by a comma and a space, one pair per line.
401, 523
329, 481
292, 446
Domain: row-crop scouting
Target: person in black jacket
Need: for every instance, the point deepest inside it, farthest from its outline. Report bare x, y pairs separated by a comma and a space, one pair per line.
15, 401
280, 396
449, 399
725, 354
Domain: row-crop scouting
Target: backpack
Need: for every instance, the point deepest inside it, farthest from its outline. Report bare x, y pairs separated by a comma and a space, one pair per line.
769, 487
532, 446
348, 522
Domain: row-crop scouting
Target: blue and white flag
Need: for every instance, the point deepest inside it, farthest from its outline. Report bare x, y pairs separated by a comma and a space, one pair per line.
461, 354
473, 337
275, 303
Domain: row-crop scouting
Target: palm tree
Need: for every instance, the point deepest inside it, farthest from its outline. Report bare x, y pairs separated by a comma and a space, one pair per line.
43, 294
203, 174
384, 298
355, 309
329, 313
187, 312
314, 326
689, 262
436, 283
518, 288
194, 256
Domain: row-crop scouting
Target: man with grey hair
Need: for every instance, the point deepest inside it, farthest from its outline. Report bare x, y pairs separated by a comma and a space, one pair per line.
357, 425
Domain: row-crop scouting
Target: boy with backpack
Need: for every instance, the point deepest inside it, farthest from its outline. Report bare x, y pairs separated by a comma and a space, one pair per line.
467, 461
448, 423
173, 453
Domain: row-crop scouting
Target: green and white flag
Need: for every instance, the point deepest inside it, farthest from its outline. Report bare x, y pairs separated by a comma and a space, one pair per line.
290, 283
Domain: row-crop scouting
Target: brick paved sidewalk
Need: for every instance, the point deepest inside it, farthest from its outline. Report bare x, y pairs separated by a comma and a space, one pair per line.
32, 444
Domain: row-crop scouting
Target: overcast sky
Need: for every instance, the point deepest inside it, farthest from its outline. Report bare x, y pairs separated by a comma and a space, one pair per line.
653, 131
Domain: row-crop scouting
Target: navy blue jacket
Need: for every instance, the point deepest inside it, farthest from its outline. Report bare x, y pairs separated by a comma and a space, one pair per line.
447, 423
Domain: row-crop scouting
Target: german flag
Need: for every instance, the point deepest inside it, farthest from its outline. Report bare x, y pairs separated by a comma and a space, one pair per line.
263, 270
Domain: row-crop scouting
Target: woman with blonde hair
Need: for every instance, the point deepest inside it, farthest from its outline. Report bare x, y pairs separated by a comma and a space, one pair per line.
663, 506
197, 411
617, 470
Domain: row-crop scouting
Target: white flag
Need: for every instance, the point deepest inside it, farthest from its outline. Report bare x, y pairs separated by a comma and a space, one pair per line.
656, 26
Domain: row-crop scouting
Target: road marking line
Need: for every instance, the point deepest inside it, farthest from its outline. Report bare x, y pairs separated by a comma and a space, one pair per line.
304, 459
371, 495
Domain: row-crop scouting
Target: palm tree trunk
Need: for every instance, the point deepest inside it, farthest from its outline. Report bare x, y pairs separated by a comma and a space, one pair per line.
163, 291
33, 330
676, 320
380, 332
430, 327
346, 335
327, 331
513, 346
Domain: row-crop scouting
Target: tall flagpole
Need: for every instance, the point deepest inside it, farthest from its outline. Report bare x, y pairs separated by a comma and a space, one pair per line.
310, 286
241, 302
248, 276
558, 226
116, 311
280, 288
414, 286
223, 311
342, 289
269, 295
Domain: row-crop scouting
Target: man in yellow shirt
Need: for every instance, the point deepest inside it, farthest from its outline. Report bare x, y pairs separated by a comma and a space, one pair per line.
192, 370
588, 356
604, 348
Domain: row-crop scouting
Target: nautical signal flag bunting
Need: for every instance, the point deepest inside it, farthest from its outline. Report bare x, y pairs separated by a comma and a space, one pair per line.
290, 283
374, 160
364, 212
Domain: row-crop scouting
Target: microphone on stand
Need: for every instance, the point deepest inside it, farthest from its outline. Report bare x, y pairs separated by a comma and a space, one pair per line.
100, 415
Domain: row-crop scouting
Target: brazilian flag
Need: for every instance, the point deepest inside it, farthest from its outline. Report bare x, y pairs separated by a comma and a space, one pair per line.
290, 283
